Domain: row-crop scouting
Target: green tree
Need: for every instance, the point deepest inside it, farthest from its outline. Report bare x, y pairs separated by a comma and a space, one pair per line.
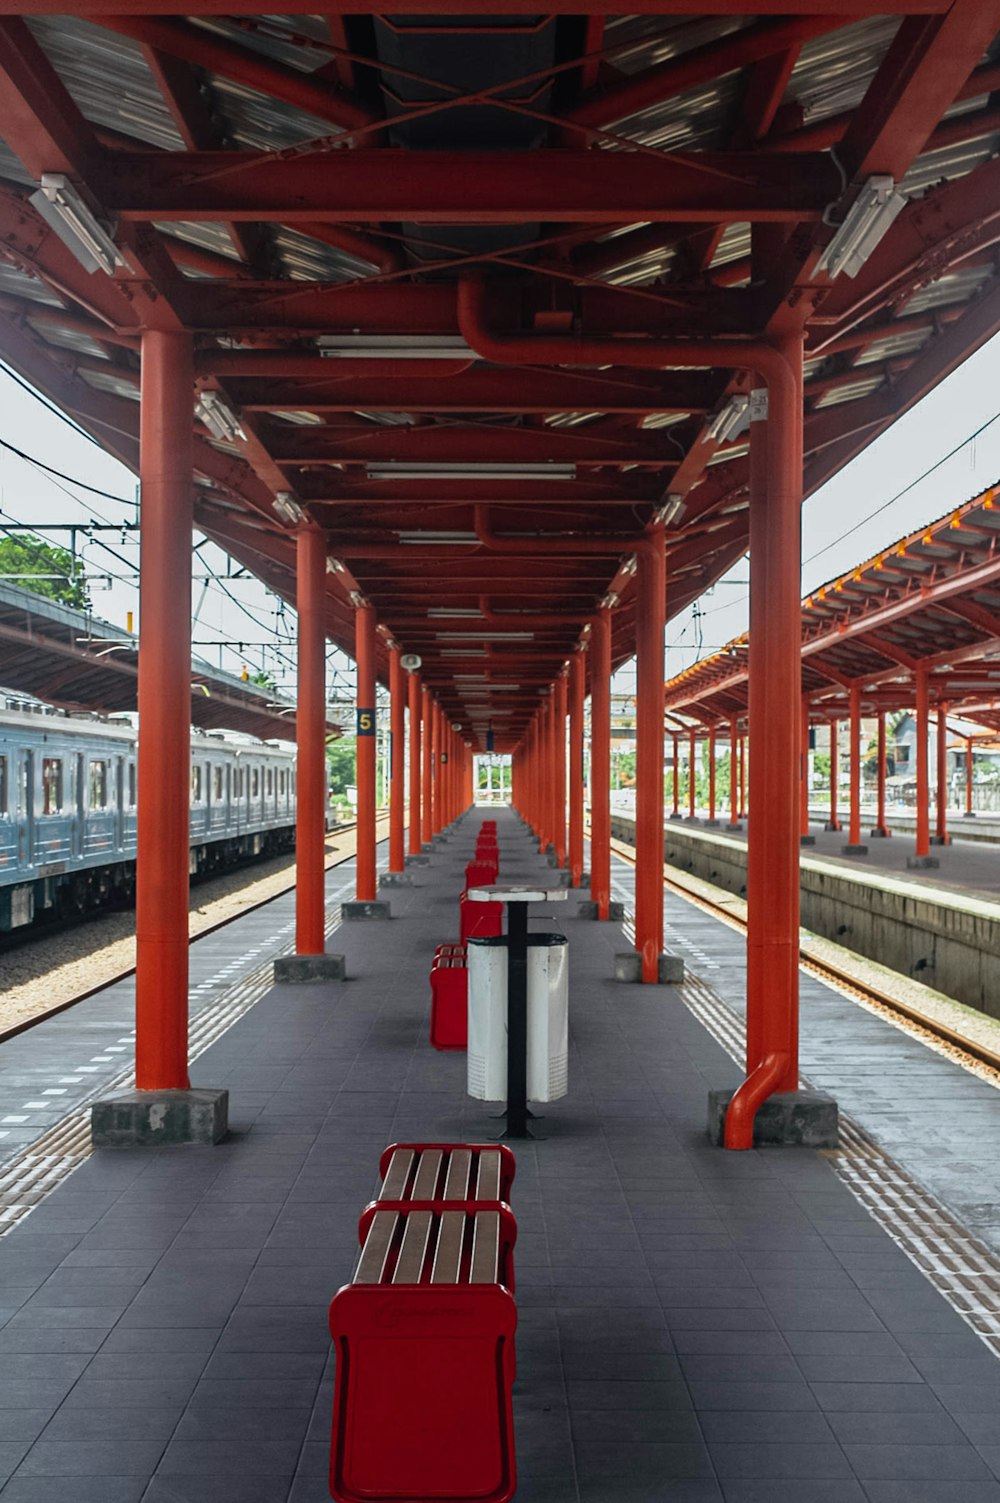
342, 762
263, 680
43, 569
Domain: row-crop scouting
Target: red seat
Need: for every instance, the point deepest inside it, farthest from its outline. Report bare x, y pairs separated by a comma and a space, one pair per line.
450, 998
479, 920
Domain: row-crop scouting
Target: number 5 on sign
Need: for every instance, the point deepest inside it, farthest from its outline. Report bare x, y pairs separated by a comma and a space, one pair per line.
366, 722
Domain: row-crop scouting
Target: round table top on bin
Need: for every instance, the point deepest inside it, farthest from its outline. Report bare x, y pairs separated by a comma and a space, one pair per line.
517, 894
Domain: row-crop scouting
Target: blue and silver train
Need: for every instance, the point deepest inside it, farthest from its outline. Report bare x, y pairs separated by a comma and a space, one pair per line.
68, 811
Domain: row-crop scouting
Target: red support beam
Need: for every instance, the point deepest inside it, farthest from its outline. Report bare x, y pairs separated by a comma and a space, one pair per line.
397, 758
427, 768
941, 828
600, 762
367, 885
310, 812
854, 835
164, 760
415, 727
649, 635
577, 676
923, 841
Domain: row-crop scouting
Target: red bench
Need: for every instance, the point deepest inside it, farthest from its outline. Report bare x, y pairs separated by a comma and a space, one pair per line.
478, 920
449, 998
424, 1335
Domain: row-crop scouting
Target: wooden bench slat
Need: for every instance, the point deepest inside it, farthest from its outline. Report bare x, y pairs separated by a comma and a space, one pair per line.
428, 1170
394, 1185
488, 1184
448, 1253
485, 1248
456, 1185
413, 1251
371, 1264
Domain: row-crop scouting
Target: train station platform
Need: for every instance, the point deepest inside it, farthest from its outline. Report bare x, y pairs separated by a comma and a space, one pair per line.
694, 1326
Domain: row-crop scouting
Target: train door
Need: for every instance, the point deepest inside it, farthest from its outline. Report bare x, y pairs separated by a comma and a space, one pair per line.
8, 813
26, 808
80, 803
119, 803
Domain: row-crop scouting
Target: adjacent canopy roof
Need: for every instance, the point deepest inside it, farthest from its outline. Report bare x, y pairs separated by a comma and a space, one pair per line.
306, 192
931, 601
70, 659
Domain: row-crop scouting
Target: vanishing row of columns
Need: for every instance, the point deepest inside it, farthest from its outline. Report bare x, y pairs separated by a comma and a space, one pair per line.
445, 785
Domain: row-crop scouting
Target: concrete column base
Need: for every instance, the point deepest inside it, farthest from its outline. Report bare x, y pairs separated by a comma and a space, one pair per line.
153, 1119
691, 819
940, 840
832, 825
438, 840
711, 824
360, 910
427, 849
670, 968
420, 860
921, 863
880, 834
854, 850
616, 911
678, 817
306, 968
969, 814
804, 1119
803, 839
736, 824
395, 879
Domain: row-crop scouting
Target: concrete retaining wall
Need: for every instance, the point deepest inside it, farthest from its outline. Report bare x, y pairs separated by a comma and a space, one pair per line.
947, 940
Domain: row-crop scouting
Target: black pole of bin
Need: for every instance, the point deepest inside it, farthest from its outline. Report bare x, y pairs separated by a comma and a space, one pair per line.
517, 1021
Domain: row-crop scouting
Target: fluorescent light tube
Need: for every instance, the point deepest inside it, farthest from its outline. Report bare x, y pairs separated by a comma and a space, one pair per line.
456, 471
65, 211
287, 507
218, 417
729, 419
394, 347
867, 221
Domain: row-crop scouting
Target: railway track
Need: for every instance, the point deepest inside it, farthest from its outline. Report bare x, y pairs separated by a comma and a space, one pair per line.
110, 978
966, 1051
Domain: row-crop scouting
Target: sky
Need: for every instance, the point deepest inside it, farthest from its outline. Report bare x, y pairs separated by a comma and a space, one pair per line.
897, 485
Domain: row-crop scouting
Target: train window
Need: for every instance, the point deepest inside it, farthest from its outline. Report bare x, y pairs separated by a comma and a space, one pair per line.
282, 781
98, 785
52, 785
3, 785
217, 782
239, 782
131, 785
255, 783
196, 783
270, 781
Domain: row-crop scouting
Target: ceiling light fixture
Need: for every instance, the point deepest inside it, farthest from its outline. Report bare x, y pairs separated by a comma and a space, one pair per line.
672, 510
459, 471
287, 507
218, 417
729, 420
867, 220
394, 347
65, 211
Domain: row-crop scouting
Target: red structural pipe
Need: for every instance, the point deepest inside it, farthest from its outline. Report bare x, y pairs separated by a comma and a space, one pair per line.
880, 825
164, 759
600, 762
968, 776
544, 777
650, 626
559, 759
676, 775
414, 706
692, 791
364, 622
743, 777
577, 675
734, 777
397, 761
804, 773
711, 773
310, 726
923, 846
854, 836
435, 768
834, 822
942, 775
427, 770
773, 883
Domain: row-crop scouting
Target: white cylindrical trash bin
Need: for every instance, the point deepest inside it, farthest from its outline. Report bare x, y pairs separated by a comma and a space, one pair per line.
548, 1018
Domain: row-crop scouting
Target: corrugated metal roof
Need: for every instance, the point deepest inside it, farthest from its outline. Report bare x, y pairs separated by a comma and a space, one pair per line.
834, 70
953, 287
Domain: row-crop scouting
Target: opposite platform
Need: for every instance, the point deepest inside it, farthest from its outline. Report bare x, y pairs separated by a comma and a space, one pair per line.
695, 1326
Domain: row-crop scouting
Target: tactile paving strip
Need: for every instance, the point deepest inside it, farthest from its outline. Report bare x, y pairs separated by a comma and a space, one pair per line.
30, 1175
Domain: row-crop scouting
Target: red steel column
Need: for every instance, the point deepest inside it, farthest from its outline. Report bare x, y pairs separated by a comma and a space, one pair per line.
544, 783
364, 626
650, 628
773, 856
923, 847
880, 824
559, 756
435, 767
397, 761
676, 779
804, 772
942, 775
734, 774
310, 726
577, 673
414, 705
854, 837
600, 762
711, 773
834, 823
692, 780
968, 777
743, 777
164, 758
427, 812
